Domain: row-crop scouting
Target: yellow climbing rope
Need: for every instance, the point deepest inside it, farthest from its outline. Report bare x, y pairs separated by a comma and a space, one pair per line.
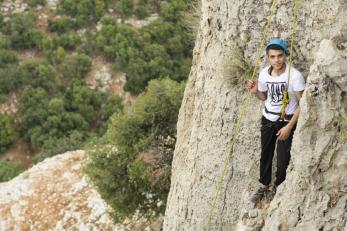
285, 101
245, 102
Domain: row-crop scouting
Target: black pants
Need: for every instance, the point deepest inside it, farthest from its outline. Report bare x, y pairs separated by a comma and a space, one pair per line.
269, 130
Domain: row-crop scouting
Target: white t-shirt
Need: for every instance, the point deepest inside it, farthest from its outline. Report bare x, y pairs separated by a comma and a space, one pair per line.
275, 87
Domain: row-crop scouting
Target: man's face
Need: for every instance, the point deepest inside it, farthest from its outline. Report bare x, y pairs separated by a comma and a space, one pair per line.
276, 59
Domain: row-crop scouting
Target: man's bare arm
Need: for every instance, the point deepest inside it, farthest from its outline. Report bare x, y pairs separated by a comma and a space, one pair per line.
252, 86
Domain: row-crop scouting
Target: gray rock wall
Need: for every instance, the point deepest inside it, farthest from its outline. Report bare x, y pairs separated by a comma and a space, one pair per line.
314, 195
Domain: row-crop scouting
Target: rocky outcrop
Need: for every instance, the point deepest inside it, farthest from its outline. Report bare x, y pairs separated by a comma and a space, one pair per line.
314, 195
56, 195
11, 7
53, 195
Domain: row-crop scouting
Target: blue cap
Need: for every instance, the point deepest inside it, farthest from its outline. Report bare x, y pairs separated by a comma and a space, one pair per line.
279, 42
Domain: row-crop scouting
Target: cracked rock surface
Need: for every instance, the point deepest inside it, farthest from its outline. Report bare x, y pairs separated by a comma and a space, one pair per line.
314, 195
53, 195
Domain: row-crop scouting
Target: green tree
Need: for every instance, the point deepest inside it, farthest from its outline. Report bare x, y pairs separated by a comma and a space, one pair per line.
114, 104
116, 169
22, 31
54, 146
9, 80
4, 42
172, 10
83, 101
126, 7
8, 132
32, 106
9, 170
100, 8
141, 10
62, 24
68, 40
36, 73
75, 66
60, 54
7, 57
33, 3
85, 12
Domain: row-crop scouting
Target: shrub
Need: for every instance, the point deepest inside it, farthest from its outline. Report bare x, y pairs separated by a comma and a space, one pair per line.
119, 174
33, 3
7, 57
4, 42
68, 40
163, 48
9, 80
36, 73
113, 105
85, 11
62, 24
75, 66
9, 170
82, 100
126, 7
54, 146
8, 132
22, 31
141, 10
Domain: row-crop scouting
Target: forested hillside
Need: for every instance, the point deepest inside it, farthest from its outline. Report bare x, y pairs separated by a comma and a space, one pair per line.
102, 75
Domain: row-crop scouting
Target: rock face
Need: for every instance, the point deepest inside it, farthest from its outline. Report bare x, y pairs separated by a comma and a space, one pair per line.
53, 195
314, 195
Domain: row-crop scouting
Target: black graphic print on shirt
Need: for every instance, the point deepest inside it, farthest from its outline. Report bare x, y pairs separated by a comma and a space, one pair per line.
275, 92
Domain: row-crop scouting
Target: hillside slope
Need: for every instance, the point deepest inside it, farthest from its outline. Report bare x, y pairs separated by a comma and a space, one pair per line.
52, 195
314, 195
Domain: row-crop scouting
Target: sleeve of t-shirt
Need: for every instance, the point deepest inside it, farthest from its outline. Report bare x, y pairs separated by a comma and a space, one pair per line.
299, 83
261, 82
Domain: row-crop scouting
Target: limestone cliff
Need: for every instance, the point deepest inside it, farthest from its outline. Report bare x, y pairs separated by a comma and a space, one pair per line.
53, 195
56, 195
313, 197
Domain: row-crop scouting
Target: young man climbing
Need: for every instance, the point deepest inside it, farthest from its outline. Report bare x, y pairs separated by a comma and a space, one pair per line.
271, 87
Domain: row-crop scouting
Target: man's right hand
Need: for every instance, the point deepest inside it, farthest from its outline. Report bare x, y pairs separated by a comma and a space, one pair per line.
252, 86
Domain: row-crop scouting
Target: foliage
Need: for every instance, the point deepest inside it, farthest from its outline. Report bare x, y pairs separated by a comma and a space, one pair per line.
75, 66
115, 169
9, 170
141, 10
113, 105
59, 112
82, 100
22, 31
172, 11
85, 11
8, 132
50, 117
9, 80
68, 40
60, 145
4, 42
36, 2
126, 7
7, 57
8, 71
161, 49
62, 24
37, 73
237, 68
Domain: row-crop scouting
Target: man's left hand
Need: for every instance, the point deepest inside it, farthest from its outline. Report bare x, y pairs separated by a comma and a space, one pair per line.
283, 133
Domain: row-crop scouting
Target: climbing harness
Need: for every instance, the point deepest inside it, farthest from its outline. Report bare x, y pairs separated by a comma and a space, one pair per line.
245, 102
